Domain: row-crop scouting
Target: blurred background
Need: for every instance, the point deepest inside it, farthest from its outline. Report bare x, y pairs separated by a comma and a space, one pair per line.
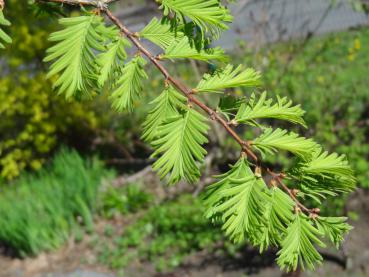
77, 195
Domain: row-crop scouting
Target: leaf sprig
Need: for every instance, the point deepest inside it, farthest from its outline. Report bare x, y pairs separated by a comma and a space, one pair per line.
4, 38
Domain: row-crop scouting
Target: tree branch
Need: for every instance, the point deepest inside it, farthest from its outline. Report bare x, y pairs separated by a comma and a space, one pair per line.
245, 145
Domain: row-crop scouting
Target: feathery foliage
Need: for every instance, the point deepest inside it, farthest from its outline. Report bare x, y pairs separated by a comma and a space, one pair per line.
334, 228
328, 165
273, 140
180, 145
3, 36
298, 245
112, 60
165, 106
229, 77
209, 15
129, 85
161, 33
183, 49
278, 214
238, 200
263, 108
74, 54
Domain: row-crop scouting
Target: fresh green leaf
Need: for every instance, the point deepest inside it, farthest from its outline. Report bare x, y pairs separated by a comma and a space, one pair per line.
334, 227
161, 33
229, 77
165, 106
180, 145
328, 166
74, 54
112, 59
272, 140
324, 174
3, 36
129, 85
298, 245
264, 108
238, 199
209, 15
277, 216
183, 49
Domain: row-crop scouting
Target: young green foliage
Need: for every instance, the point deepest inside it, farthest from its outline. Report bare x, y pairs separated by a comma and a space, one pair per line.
129, 85
180, 145
112, 60
278, 214
229, 77
183, 49
209, 15
74, 55
298, 245
324, 174
273, 140
166, 105
263, 108
334, 228
161, 33
328, 166
238, 200
4, 38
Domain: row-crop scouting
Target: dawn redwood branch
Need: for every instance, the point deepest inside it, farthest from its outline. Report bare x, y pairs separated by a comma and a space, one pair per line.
245, 145
101, 6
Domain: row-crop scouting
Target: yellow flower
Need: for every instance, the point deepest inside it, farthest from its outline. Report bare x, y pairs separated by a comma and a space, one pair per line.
351, 57
357, 44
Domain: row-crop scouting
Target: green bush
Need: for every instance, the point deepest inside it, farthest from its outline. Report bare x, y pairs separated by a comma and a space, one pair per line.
125, 200
39, 212
164, 235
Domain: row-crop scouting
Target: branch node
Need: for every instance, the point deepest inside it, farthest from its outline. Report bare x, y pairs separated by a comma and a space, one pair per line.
274, 183
295, 192
258, 172
166, 83
233, 123
212, 115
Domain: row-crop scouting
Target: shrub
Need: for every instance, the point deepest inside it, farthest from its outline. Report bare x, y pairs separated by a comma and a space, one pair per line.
38, 212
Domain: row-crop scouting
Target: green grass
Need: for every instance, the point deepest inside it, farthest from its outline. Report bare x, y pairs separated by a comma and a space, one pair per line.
39, 212
123, 200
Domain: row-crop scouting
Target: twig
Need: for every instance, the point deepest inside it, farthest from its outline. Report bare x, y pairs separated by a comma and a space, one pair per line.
2, 4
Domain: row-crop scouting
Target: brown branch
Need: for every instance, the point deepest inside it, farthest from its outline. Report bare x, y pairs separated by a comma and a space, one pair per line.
92, 3
2, 4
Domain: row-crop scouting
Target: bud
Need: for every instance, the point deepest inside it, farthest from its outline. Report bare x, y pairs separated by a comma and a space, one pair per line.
258, 172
